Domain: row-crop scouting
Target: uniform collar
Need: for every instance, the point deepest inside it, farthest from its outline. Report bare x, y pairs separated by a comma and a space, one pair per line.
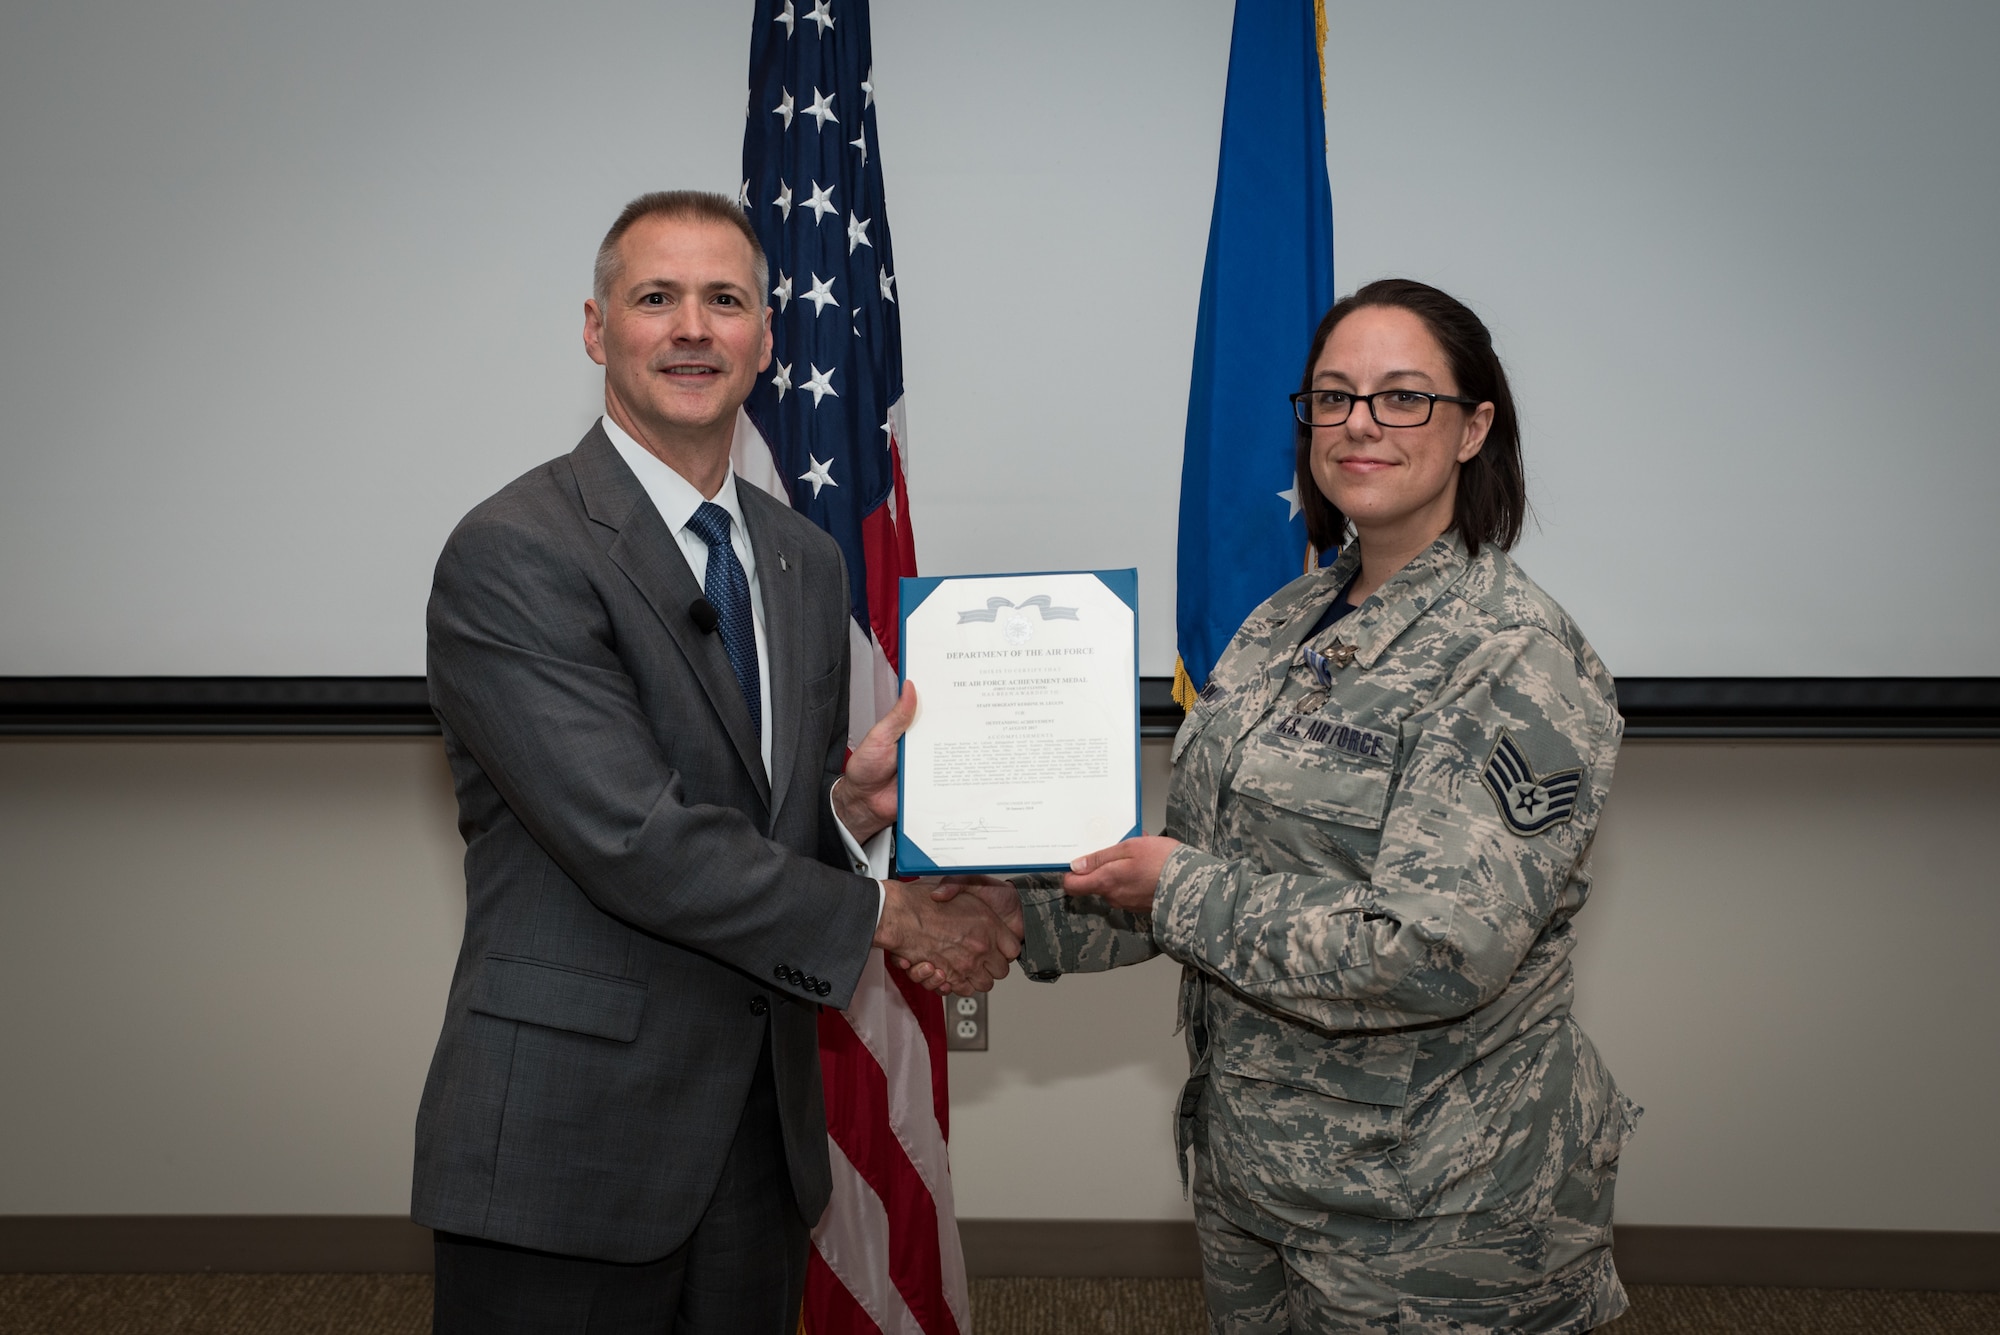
1409, 593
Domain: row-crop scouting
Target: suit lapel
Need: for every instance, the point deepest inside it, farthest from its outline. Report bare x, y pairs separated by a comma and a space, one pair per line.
646, 551
778, 584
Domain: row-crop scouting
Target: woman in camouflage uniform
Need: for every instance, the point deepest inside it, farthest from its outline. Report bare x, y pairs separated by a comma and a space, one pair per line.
1376, 839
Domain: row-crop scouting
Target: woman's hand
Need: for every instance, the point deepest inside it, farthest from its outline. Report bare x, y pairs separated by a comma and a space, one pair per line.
1125, 874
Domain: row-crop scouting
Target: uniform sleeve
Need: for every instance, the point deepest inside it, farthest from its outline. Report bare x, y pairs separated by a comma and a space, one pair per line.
1077, 934
1461, 887
526, 674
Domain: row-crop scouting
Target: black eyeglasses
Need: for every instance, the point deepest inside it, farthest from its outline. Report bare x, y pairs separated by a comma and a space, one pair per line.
1389, 407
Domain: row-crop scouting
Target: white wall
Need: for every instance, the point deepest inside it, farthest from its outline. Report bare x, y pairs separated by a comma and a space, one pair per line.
287, 287
1732, 254
222, 965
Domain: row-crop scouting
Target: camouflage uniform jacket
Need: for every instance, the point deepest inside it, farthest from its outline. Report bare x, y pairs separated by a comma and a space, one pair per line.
1373, 906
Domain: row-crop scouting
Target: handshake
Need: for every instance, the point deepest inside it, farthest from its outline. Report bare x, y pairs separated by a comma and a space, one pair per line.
959, 933
951, 934
948, 940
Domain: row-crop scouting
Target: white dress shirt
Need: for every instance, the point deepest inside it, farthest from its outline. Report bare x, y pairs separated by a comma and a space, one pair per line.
677, 499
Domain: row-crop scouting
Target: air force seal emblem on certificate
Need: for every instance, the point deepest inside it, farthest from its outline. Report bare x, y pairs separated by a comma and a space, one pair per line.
1528, 803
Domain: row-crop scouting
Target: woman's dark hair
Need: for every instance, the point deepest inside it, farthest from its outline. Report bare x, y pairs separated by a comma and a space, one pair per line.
1492, 492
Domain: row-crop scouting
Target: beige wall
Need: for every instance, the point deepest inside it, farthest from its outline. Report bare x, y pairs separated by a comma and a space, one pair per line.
222, 965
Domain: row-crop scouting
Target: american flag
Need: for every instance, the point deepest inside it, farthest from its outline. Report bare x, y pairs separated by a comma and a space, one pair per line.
824, 429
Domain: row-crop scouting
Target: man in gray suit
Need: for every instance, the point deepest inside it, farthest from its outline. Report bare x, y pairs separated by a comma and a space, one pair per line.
642, 670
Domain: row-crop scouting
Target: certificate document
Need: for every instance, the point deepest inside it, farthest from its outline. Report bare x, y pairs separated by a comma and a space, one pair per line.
1025, 748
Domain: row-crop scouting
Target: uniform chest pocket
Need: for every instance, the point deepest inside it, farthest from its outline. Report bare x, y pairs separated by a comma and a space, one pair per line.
1192, 726
1314, 778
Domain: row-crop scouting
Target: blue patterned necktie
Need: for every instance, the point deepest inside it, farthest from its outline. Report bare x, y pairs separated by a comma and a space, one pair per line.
728, 590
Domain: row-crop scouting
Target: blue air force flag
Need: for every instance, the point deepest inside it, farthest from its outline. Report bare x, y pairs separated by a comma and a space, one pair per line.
1266, 282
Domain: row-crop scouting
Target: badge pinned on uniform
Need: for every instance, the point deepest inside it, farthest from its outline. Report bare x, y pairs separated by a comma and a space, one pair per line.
1322, 665
1528, 802
1316, 664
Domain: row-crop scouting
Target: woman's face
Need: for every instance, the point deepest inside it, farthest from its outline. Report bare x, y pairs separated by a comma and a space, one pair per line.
1397, 484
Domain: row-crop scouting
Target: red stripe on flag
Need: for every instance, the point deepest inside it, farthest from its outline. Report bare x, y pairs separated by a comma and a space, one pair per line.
830, 1309
857, 1117
929, 1008
891, 553
906, 549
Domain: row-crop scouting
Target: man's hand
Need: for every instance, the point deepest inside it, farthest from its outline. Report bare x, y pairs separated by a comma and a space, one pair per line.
998, 896
1126, 874
965, 947
865, 797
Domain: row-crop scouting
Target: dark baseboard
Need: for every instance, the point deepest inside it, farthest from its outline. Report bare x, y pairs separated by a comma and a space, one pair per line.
1809, 1258
1130, 1248
1089, 1248
1647, 1254
235, 1244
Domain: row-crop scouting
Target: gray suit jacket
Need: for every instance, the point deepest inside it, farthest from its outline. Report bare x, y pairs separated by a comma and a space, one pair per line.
642, 906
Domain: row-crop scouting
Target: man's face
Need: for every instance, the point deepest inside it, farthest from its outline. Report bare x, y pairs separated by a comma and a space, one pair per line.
683, 332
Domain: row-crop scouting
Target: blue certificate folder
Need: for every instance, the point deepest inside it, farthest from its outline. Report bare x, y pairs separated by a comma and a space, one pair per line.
912, 860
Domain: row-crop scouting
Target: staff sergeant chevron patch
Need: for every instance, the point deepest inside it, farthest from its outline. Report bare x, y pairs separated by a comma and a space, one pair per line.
1528, 804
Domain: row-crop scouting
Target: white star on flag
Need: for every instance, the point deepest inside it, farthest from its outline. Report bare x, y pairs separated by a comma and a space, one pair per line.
821, 295
820, 475
882, 1105
784, 108
1290, 496
784, 199
822, 108
820, 385
787, 18
821, 202
783, 380
783, 292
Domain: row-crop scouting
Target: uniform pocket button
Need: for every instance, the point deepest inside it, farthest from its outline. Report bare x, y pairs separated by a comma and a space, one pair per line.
759, 1006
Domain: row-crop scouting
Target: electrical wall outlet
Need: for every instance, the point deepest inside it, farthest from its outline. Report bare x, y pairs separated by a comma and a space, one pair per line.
965, 1023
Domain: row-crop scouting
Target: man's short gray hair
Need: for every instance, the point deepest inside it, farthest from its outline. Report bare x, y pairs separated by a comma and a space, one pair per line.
682, 206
